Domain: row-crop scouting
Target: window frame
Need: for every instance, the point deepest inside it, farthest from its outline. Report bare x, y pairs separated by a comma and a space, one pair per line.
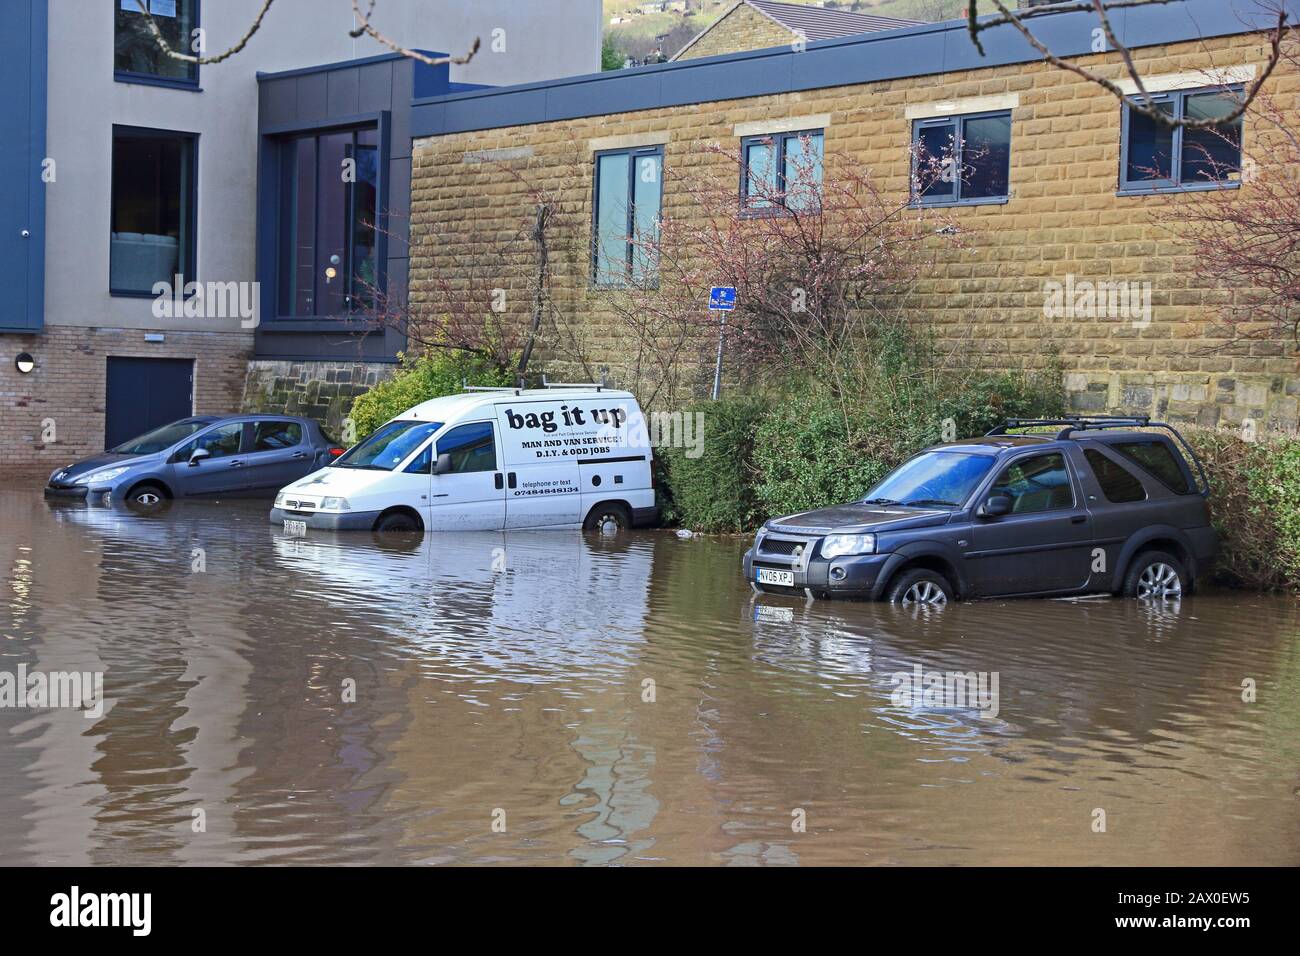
958, 120
271, 198
1070, 474
150, 79
632, 153
188, 266
780, 141
1098, 450
1148, 187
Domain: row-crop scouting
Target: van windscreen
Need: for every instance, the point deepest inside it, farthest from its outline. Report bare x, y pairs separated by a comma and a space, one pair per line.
389, 446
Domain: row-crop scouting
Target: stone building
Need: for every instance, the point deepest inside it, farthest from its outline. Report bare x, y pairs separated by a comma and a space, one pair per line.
1067, 210
755, 24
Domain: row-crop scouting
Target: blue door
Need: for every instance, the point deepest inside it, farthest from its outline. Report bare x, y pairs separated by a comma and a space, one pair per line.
143, 393
22, 130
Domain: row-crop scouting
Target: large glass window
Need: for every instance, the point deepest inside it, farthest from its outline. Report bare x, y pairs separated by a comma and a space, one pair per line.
628, 201
472, 448
963, 159
1041, 483
1156, 458
274, 436
1156, 156
152, 232
784, 170
136, 50
1117, 484
329, 249
932, 479
219, 443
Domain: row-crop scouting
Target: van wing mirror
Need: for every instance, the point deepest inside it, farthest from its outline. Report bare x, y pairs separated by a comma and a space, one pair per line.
197, 455
996, 506
442, 465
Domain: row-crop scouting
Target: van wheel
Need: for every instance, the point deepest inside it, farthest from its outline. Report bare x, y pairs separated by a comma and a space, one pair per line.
1156, 576
920, 586
398, 521
147, 497
608, 519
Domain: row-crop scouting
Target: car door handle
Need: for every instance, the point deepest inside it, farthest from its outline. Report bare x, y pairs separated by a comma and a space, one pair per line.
300, 454
501, 482
1078, 519
236, 464
513, 479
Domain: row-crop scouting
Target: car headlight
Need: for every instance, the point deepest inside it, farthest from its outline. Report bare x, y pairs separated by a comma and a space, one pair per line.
835, 545
95, 477
335, 504
279, 500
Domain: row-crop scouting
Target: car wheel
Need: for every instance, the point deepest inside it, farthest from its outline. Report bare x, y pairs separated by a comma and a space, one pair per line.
1156, 576
920, 586
608, 519
147, 497
398, 521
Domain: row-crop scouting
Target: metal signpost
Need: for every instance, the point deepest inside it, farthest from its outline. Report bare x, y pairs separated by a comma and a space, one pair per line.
721, 299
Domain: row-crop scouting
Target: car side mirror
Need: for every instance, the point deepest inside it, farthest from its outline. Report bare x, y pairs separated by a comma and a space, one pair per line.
443, 465
996, 506
198, 455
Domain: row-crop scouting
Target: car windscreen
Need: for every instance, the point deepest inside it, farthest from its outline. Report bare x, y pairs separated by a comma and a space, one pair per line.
160, 439
388, 447
935, 478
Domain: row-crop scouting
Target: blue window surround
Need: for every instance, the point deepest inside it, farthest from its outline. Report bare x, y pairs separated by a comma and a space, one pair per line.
166, 82
632, 155
779, 141
25, 111
270, 200
959, 120
1148, 187
189, 264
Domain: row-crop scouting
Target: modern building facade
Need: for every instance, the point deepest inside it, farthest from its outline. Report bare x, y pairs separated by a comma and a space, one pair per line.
127, 169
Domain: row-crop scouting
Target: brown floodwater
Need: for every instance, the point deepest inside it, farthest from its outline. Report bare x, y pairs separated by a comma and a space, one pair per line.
545, 698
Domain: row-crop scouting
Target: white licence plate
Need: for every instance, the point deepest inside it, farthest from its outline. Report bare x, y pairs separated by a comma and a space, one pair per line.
297, 529
782, 579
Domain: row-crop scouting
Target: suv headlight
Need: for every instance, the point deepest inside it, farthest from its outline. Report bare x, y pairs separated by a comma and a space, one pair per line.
107, 474
335, 504
835, 545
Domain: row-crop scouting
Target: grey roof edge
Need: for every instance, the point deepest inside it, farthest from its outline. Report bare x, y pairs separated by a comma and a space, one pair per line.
926, 49
339, 65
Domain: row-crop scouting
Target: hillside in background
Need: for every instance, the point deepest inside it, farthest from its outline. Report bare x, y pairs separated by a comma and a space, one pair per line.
633, 30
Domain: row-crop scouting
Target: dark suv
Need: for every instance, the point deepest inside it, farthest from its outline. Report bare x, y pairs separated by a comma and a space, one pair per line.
1095, 507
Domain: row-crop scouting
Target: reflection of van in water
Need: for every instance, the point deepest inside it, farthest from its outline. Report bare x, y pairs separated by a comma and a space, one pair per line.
560, 457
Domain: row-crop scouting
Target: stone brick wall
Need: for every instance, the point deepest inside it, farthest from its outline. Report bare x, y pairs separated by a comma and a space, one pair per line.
1063, 219
320, 390
67, 387
744, 28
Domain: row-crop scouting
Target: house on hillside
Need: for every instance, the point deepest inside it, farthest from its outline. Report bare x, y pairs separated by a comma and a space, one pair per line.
755, 24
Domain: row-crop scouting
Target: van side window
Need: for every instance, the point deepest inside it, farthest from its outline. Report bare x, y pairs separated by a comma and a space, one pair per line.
1041, 483
1117, 483
472, 448
423, 463
1156, 458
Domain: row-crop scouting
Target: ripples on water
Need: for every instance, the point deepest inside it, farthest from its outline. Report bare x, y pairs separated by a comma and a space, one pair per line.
622, 701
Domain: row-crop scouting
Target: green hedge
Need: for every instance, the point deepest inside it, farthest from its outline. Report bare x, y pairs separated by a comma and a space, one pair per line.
1255, 504
418, 380
714, 492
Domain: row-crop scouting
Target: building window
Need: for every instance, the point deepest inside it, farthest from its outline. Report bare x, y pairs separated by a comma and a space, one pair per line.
137, 55
152, 231
782, 171
962, 159
628, 201
1157, 157
329, 226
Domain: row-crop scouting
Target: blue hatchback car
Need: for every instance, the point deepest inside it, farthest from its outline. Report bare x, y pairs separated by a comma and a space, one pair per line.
205, 455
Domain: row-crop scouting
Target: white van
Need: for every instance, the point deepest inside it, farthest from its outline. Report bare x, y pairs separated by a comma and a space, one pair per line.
488, 459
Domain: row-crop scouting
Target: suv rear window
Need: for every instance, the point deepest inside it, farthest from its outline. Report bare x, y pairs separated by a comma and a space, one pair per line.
1118, 484
1156, 458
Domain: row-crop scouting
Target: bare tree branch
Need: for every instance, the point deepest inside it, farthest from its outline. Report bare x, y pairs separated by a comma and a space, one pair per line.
203, 60
365, 28
1147, 107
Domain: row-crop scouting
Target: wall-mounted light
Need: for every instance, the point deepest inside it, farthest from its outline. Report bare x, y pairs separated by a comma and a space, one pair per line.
25, 363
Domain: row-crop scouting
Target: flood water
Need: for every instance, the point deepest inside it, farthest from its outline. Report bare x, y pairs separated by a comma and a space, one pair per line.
545, 698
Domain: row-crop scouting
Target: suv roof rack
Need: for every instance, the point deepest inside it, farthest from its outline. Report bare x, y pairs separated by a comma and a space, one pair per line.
1080, 423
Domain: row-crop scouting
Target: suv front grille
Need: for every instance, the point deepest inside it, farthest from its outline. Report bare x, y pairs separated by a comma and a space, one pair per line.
786, 547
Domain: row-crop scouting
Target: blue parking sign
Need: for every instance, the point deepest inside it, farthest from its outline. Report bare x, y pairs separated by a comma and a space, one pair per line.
722, 298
